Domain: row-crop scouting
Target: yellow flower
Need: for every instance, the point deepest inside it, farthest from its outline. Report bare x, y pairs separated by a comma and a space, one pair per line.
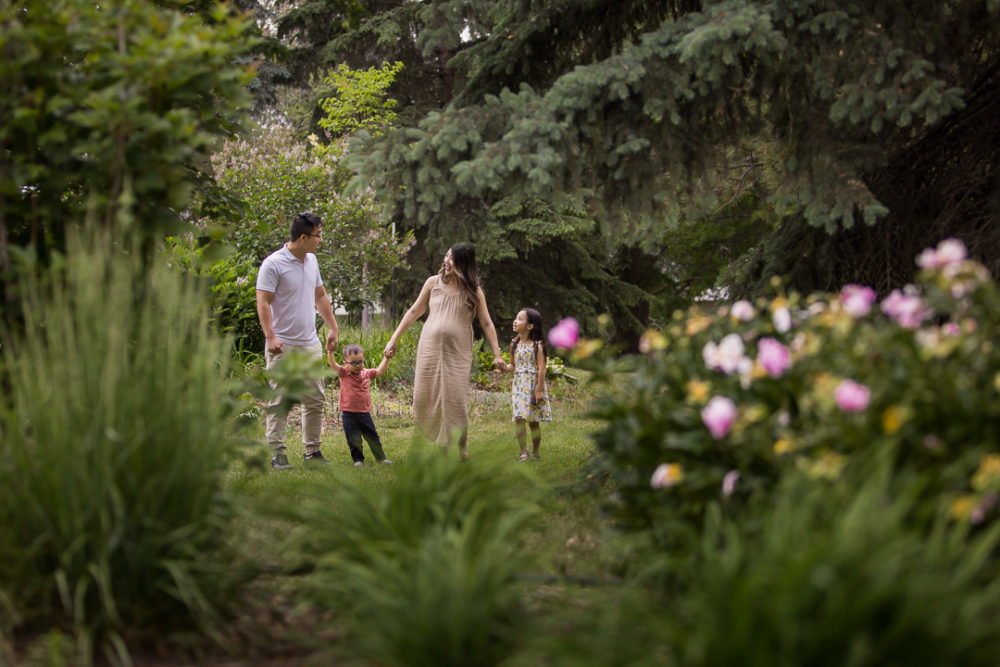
893, 418
779, 302
697, 324
962, 506
784, 446
697, 390
586, 347
988, 472
652, 341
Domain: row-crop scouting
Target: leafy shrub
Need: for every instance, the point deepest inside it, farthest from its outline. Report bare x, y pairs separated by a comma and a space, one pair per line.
728, 399
117, 431
424, 570
813, 576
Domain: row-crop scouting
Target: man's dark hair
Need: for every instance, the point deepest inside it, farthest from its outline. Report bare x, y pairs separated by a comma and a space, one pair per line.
304, 223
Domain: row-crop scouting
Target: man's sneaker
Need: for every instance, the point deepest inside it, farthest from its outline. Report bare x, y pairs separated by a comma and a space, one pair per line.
316, 457
358, 464
280, 462
387, 461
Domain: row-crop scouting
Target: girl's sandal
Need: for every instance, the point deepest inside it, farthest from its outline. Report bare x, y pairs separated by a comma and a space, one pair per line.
523, 456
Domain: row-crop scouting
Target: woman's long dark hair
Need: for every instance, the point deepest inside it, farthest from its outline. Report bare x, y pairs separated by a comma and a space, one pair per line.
536, 334
463, 266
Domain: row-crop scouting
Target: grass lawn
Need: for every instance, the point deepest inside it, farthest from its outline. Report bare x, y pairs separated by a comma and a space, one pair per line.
567, 545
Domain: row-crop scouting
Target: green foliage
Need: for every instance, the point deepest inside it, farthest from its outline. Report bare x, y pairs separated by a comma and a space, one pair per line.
401, 367
111, 107
931, 369
422, 570
117, 432
231, 282
644, 112
809, 576
844, 580
276, 177
361, 101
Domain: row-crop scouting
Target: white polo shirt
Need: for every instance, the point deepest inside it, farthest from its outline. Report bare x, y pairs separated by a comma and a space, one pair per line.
293, 283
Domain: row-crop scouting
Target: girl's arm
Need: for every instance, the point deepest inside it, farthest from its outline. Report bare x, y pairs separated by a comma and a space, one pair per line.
413, 313
509, 367
489, 331
540, 362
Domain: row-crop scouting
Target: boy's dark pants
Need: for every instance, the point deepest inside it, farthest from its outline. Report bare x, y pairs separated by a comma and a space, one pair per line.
356, 426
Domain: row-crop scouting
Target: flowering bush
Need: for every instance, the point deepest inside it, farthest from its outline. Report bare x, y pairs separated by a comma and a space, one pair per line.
731, 397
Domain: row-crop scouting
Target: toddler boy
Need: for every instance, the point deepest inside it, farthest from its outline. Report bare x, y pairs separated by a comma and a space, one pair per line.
356, 402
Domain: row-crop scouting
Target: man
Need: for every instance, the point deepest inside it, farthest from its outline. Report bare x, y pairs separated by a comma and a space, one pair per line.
289, 293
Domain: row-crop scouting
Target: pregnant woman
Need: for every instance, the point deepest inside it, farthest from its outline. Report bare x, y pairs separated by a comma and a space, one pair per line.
453, 298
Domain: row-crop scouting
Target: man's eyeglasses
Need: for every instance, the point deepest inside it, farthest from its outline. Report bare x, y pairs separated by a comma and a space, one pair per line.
359, 362
316, 236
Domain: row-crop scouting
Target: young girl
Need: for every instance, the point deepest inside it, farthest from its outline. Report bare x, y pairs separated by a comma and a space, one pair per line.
528, 393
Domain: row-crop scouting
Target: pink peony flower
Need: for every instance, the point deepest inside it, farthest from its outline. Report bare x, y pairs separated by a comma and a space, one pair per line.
667, 475
782, 319
857, 300
905, 308
719, 415
852, 396
565, 333
724, 356
773, 356
947, 253
743, 311
729, 482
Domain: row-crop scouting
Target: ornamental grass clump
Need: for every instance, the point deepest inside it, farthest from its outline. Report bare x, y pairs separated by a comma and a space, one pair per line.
814, 383
116, 432
423, 572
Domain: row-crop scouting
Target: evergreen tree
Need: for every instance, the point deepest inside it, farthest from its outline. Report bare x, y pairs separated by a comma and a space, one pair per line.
874, 120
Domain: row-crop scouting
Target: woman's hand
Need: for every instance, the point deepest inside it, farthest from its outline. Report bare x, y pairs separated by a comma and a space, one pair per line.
390, 350
499, 362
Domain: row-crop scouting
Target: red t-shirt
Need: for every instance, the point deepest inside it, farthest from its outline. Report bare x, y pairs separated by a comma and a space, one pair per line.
355, 394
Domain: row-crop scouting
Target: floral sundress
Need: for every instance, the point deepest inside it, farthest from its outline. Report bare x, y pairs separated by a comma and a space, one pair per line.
523, 387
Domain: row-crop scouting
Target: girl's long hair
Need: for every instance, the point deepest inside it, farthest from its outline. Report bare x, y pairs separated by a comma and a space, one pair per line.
536, 334
463, 266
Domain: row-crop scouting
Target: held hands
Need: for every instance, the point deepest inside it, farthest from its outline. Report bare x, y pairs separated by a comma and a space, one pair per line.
331, 341
390, 350
499, 362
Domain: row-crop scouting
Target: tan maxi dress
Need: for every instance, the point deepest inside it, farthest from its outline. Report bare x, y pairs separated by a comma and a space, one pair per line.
444, 365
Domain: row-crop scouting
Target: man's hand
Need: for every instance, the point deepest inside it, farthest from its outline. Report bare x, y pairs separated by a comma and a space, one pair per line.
274, 345
331, 341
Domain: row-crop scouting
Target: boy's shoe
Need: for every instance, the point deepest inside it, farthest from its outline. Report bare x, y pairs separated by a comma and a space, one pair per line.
387, 461
358, 464
280, 462
536, 456
316, 457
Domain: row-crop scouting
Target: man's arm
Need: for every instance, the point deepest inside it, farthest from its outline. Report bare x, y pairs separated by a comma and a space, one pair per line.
326, 312
264, 299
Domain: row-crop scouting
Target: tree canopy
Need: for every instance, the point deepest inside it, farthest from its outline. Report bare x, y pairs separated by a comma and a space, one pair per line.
632, 112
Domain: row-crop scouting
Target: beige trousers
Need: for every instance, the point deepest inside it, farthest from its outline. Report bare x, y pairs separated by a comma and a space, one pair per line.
312, 405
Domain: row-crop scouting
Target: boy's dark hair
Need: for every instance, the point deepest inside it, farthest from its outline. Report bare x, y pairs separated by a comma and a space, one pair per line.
536, 334
304, 223
353, 349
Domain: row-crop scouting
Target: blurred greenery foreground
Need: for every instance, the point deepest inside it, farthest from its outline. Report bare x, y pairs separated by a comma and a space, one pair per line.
837, 508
